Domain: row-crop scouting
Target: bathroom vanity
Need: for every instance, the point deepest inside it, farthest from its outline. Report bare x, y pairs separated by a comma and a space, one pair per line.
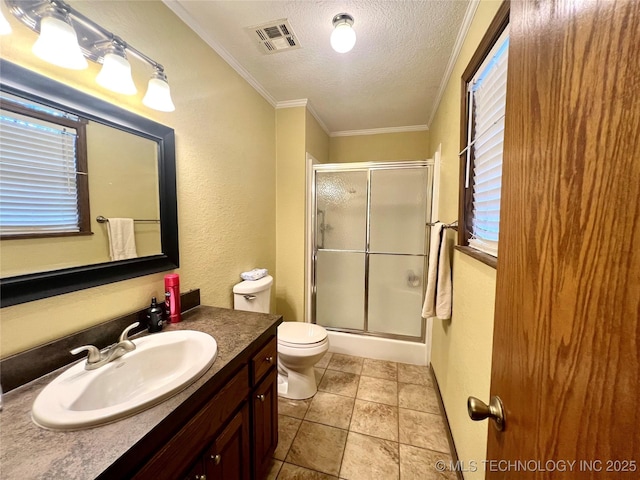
223, 426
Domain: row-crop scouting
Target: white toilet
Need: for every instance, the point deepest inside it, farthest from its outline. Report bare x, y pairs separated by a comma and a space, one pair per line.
300, 345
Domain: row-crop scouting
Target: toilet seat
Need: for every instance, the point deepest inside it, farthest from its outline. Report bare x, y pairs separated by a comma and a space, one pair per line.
302, 346
301, 335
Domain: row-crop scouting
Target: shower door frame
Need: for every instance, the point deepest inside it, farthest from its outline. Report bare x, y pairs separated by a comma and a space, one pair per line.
369, 167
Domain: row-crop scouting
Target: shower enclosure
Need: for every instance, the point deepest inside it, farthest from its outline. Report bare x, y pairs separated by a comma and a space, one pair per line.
369, 254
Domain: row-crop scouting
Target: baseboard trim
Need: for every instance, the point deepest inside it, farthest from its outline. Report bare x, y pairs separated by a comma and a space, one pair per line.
452, 445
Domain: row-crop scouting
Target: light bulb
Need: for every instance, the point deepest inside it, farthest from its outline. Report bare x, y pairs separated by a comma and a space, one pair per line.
58, 42
5, 28
343, 37
116, 72
158, 94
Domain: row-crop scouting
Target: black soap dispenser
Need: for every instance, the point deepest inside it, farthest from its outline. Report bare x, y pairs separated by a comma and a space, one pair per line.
155, 316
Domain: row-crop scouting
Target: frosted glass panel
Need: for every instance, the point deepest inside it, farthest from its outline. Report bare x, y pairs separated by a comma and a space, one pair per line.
341, 216
340, 289
399, 204
395, 294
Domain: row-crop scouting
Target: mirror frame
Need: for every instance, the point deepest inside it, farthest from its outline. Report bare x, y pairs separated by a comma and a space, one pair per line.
35, 286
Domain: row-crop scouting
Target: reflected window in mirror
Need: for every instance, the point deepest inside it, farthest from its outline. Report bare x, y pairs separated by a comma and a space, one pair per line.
46, 190
43, 171
130, 173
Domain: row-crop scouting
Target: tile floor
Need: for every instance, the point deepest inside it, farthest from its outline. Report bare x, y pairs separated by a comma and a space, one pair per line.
370, 420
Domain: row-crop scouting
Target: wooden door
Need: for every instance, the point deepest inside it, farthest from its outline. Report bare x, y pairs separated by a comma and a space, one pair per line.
566, 358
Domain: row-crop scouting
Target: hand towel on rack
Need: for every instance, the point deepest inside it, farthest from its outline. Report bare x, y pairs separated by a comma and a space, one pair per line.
437, 302
122, 240
443, 288
429, 307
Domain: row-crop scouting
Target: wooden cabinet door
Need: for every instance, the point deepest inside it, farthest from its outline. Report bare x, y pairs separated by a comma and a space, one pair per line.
197, 471
566, 347
265, 423
229, 456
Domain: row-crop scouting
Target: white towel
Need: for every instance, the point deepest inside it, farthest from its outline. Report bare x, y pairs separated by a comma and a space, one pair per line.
255, 274
429, 307
437, 301
122, 240
443, 288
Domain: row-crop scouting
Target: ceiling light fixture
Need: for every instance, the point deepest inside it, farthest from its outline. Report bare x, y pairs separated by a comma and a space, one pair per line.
67, 37
5, 28
116, 71
58, 42
343, 37
158, 94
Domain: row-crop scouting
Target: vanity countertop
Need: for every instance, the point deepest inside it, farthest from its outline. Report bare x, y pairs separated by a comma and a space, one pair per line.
27, 451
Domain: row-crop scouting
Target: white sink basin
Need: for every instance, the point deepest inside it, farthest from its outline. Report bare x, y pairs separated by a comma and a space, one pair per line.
161, 365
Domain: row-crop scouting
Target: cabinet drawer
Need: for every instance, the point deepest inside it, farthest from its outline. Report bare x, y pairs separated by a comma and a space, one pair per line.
184, 447
264, 360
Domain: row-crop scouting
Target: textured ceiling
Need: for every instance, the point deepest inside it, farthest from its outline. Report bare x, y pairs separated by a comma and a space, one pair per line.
391, 78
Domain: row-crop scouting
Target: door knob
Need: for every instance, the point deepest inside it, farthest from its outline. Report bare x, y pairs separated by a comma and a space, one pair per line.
478, 410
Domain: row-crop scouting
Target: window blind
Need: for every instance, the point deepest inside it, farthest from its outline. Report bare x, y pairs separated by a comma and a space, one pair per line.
488, 92
38, 186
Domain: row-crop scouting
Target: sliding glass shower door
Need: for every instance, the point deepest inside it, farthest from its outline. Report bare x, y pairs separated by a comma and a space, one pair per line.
370, 247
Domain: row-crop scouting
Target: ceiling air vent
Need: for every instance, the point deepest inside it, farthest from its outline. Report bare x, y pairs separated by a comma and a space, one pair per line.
275, 37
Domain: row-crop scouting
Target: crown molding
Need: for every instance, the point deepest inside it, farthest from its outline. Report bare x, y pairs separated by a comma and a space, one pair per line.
318, 119
183, 15
301, 102
304, 102
378, 131
462, 35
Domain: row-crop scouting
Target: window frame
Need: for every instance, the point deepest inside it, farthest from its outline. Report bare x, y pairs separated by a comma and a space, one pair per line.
465, 203
82, 181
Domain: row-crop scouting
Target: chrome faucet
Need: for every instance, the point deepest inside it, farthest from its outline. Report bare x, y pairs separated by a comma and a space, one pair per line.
97, 358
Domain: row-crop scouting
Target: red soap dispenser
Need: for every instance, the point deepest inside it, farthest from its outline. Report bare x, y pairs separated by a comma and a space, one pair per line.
172, 297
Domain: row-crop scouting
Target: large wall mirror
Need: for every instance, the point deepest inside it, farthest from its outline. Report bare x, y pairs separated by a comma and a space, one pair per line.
72, 166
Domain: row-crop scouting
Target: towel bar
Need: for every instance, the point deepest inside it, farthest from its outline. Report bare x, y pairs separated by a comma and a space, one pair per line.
101, 219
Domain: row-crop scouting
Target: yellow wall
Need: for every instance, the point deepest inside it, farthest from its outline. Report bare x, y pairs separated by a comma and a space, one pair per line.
382, 147
123, 182
316, 139
462, 347
290, 206
225, 148
297, 132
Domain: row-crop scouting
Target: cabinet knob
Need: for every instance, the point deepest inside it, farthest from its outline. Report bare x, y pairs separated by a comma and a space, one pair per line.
269, 359
201, 477
216, 459
260, 397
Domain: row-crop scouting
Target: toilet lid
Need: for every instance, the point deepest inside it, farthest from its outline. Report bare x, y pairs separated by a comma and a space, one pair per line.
301, 333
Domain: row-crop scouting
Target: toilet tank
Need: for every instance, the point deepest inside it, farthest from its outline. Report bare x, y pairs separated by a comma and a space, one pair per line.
253, 295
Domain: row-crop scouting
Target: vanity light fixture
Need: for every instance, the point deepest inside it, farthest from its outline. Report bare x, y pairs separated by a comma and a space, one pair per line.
158, 94
343, 37
58, 42
5, 28
67, 37
115, 74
